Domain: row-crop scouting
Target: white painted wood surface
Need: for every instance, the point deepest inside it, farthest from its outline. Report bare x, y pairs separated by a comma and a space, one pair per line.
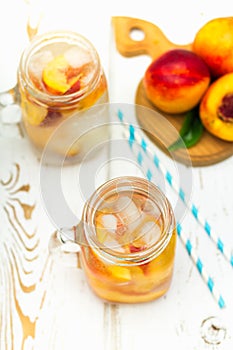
45, 304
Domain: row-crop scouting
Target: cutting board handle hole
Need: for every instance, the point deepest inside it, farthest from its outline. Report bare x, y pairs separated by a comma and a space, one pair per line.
137, 34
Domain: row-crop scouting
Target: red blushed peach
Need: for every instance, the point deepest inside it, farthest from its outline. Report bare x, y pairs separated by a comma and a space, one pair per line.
176, 81
216, 108
214, 43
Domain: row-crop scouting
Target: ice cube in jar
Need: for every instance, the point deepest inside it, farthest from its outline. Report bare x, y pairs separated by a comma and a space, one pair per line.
126, 223
77, 57
59, 76
36, 66
133, 255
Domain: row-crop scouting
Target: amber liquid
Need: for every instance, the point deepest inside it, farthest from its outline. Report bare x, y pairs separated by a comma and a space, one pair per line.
132, 282
41, 119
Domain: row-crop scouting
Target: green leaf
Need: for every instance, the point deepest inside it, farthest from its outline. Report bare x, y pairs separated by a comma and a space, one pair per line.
190, 132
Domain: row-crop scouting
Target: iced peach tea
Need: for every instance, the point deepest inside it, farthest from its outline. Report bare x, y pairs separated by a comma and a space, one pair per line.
59, 75
132, 257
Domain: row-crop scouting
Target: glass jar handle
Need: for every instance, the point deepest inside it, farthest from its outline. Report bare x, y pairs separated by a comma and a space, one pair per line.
10, 111
66, 240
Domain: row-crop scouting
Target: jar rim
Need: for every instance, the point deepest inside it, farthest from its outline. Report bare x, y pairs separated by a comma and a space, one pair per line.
42, 40
145, 255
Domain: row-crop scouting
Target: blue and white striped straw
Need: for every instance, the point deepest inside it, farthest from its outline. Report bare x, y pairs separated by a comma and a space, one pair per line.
200, 267
134, 136
185, 240
198, 262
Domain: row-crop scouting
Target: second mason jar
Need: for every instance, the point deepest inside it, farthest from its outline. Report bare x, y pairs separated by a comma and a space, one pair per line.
60, 76
129, 241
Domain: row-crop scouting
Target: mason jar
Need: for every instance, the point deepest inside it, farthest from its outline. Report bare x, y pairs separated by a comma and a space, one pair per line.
127, 240
60, 76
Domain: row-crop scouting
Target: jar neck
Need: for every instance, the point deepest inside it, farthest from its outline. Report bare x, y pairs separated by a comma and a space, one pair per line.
139, 186
41, 42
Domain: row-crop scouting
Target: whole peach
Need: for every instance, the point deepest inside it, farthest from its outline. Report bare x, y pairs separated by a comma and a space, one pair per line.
176, 81
216, 108
214, 43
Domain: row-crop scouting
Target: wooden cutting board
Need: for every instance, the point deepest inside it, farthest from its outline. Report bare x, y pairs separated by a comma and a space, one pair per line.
209, 150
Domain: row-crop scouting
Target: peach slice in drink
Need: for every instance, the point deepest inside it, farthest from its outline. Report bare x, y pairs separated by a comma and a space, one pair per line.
127, 228
107, 228
34, 113
58, 76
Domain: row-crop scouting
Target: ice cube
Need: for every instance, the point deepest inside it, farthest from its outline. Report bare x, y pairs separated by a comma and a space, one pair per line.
126, 209
106, 230
109, 222
105, 225
150, 208
148, 234
111, 243
87, 75
134, 226
39, 61
77, 57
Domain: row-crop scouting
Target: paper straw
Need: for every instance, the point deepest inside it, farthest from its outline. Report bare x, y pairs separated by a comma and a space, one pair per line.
135, 136
200, 267
198, 262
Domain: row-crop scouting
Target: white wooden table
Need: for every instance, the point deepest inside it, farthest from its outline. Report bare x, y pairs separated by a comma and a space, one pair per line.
46, 304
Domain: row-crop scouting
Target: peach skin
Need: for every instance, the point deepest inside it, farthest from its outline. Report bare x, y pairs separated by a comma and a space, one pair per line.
176, 81
214, 43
